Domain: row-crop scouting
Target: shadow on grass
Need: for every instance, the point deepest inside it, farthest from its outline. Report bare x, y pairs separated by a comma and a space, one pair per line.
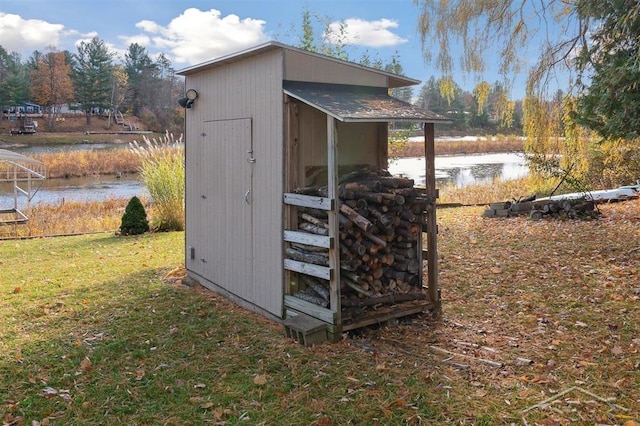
147, 352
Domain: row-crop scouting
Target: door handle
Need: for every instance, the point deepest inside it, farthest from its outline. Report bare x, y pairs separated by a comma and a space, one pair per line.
246, 196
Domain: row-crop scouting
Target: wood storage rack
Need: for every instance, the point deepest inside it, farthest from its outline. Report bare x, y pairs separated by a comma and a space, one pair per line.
357, 243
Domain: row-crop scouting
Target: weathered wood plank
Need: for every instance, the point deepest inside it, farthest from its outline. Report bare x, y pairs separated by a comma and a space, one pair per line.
308, 268
323, 314
308, 239
321, 203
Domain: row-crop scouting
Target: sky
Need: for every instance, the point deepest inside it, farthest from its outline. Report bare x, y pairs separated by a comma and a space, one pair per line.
189, 32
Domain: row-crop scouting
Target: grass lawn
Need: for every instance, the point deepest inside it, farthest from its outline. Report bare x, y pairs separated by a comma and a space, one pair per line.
96, 330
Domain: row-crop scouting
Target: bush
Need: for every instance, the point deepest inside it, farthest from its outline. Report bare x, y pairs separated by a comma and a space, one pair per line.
134, 219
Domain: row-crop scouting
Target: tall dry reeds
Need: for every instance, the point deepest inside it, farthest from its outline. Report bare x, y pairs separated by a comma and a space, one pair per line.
483, 145
89, 163
163, 171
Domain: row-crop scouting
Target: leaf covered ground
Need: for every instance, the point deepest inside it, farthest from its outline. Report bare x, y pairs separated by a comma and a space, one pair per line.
539, 326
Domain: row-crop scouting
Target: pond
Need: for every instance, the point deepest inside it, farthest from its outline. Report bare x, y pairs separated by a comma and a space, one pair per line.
460, 170
463, 170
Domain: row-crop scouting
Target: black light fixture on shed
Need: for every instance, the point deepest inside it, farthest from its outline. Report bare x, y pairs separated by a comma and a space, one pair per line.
189, 99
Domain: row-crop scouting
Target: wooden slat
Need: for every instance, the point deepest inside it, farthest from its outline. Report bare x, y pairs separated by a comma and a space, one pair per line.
308, 201
308, 239
377, 317
310, 309
307, 268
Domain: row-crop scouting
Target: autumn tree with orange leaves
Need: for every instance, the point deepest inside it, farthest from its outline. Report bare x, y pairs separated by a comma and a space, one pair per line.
51, 84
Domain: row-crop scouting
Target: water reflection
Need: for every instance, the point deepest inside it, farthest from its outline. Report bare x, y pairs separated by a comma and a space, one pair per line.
57, 191
464, 170
458, 170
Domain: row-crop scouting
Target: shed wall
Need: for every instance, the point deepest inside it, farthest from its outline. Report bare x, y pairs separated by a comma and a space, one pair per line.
358, 144
301, 67
228, 229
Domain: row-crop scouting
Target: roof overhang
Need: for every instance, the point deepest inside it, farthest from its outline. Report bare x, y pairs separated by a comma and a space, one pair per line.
358, 103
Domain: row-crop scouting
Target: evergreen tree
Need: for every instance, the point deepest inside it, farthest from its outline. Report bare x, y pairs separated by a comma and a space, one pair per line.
141, 72
134, 219
92, 70
14, 80
609, 66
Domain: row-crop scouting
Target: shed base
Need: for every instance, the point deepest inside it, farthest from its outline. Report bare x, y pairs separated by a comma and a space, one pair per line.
387, 313
307, 330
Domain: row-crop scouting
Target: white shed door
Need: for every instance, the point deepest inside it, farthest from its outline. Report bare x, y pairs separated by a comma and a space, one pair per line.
229, 233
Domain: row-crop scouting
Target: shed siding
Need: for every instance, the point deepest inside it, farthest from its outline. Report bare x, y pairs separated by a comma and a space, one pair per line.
301, 67
247, 91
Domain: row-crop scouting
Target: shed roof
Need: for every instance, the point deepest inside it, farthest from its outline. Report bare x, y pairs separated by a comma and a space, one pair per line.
393, 80
358, 103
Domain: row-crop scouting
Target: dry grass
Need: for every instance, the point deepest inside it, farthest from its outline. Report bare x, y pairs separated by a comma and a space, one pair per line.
498, 190
460, 147
72, 218
89, 163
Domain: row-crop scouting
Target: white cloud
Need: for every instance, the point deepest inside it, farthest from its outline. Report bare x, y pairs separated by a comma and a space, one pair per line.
25, 35
356, 31
197, 36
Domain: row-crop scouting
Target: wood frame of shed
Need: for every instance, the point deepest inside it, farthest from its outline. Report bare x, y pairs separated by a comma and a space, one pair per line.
264, 117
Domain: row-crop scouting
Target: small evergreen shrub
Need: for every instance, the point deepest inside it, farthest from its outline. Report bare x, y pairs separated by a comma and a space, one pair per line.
134, 219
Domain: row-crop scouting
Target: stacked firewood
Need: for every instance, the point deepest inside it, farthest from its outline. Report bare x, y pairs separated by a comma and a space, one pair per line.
381, 219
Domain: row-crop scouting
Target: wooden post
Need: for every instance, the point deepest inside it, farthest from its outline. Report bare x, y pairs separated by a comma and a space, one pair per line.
334, 223
432, 226
290, 173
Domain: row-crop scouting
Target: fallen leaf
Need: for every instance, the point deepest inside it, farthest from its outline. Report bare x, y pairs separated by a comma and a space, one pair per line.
207, 405
260, 379
617, 350
139, 374
49, 391
218, 413
85, 364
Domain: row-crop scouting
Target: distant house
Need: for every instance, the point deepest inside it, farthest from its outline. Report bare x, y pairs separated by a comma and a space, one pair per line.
26, 108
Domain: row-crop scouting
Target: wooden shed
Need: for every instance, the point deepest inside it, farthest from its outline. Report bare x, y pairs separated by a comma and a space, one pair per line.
260, 125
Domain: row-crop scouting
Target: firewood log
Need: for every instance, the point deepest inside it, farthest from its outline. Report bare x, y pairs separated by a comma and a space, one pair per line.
301, 256
308, 248
313, 229
364, 185
314, 220
308, 296
360, 221
375, 239
317, 286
